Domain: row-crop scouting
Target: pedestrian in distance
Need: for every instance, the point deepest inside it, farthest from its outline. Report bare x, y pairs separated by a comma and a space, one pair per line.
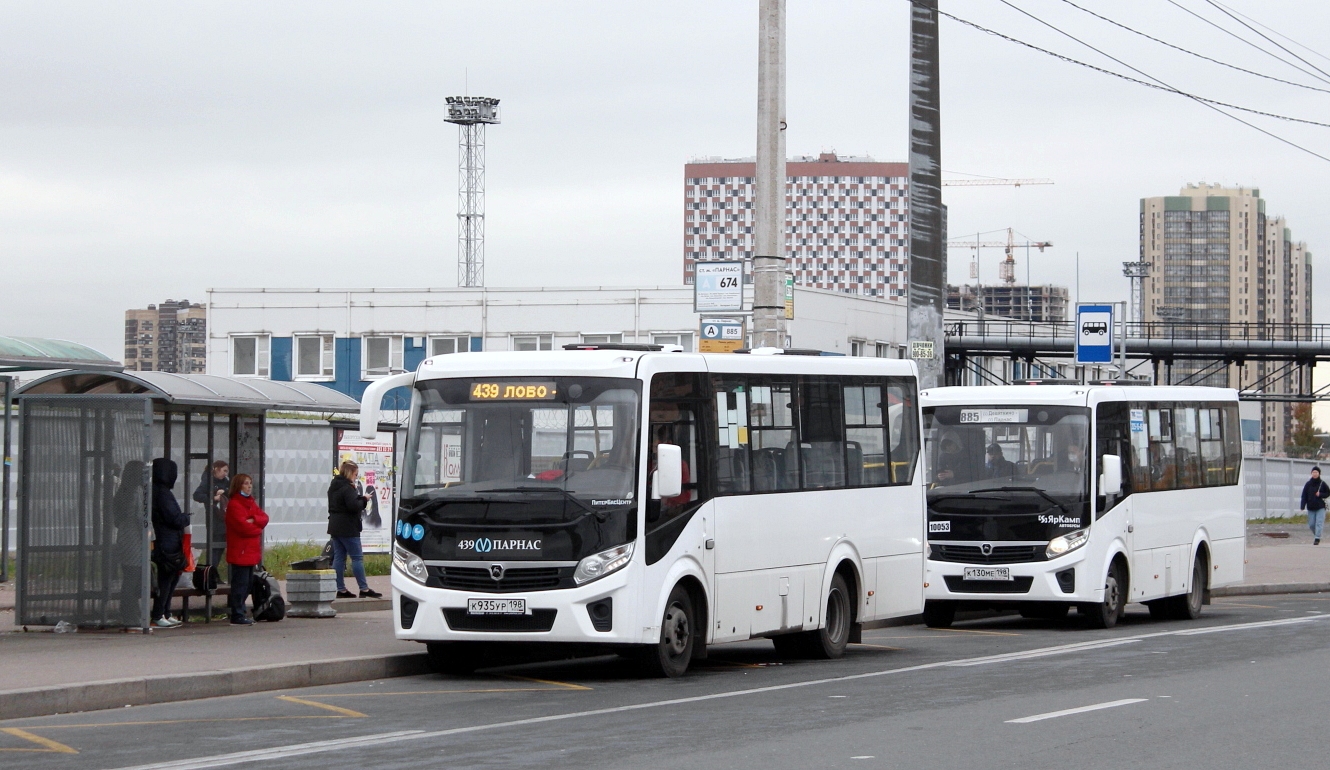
1314, 493
130, 537
168, 527
345, 508
245, 522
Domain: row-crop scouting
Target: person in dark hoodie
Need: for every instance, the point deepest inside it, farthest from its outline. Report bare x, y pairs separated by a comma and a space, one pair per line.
168, 525
345, 507
1314, 493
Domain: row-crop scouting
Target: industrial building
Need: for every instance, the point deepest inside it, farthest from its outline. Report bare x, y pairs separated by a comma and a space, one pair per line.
345, 338
169, 337
1214, 256
847, 221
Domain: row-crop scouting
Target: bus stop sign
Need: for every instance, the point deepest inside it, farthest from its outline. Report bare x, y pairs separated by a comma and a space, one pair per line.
1094, 334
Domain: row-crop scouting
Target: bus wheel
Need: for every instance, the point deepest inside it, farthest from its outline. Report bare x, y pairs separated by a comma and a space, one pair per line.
454, 657
1188, 606
670, 657
829, 641
1106, 613
939, 614
1044, 610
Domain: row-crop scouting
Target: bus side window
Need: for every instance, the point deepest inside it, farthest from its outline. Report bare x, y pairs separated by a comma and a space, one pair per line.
902, 404
822, 433
1232, 443
1186, 442
731, 456
1212, 446
775, 452
1162, 459
673, 415
1112, 430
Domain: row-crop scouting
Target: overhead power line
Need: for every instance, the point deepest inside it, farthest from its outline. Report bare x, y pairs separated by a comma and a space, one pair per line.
1212, 104
1281, 47
1193, 53
1236, 36
1272, 30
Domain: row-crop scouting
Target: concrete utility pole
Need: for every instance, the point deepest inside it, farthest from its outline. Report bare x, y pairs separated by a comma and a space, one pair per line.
928, 265
769, 226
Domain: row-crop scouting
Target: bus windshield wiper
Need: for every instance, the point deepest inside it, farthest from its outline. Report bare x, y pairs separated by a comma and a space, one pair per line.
1035, 490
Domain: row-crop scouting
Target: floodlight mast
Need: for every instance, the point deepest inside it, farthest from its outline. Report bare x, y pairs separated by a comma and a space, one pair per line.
471, 114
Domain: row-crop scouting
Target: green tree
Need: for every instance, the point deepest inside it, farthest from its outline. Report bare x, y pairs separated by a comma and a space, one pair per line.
1302, 442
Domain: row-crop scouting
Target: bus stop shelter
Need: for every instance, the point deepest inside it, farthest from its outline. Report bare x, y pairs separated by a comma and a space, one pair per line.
86, 445
34, 354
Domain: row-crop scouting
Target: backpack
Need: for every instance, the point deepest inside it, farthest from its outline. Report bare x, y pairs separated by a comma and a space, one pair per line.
267, 596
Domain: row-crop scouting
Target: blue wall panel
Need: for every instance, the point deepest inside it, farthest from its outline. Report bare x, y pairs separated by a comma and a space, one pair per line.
281, 359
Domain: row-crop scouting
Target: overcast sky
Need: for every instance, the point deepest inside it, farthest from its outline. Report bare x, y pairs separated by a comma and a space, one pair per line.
154, 150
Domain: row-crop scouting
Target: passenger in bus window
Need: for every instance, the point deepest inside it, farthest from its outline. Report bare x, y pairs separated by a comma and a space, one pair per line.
950, 462
999, 467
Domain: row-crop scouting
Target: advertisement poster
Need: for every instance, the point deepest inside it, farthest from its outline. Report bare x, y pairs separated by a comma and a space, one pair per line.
377, 479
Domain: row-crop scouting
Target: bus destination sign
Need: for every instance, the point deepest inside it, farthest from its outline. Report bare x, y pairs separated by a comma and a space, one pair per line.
513, 391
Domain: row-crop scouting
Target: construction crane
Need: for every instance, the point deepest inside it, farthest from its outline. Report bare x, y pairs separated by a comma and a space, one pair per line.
1007, 268
993, 182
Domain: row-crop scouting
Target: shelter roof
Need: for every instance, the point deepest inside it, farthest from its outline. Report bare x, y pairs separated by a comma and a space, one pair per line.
25, 354
201, 390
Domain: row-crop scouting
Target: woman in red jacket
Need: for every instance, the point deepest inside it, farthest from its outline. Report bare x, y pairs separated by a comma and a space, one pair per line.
244, 543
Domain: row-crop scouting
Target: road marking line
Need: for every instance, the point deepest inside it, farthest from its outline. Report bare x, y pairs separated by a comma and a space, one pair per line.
1045, 652
976, 631
875, 646
316, 704
1246, 626
563, 685
1080, 710
257, 755
1249, 606
184, 721
222, 760
438, 692
48, 745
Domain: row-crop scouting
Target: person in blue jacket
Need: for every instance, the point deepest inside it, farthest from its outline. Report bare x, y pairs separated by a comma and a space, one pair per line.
1314, 493
168, 553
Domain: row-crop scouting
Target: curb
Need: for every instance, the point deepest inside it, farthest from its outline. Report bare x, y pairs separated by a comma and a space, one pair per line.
362, 605
1259, 589
169, 688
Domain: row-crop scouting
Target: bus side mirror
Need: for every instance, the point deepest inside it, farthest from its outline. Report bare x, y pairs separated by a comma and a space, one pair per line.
668, 478
1110, 483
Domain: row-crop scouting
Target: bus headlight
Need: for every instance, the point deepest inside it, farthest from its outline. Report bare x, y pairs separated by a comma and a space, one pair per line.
411, 565
1066, 543
599, 565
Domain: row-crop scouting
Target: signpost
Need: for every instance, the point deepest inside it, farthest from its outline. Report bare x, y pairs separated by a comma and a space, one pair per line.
721, 335
718, 287
1094, 334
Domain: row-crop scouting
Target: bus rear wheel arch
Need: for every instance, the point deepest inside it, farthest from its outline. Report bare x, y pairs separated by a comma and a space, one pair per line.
839, 623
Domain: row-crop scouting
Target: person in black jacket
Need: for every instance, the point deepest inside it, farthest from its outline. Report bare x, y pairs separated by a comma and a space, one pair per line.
345, 506
1314, 493
212, 493
168, 525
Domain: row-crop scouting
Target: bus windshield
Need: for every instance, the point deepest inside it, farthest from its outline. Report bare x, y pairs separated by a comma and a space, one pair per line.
1032, 456
543, 449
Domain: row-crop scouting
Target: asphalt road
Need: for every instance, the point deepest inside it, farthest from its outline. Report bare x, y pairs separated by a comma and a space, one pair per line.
1243, 687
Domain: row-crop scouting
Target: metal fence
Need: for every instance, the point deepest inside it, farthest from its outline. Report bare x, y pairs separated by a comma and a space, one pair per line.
1274, 485
83, 515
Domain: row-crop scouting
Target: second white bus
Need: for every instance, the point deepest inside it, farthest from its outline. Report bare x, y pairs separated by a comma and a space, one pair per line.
1044, 497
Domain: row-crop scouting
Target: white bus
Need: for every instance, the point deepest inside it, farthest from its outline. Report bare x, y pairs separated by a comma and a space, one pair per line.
1042, 497
654, 503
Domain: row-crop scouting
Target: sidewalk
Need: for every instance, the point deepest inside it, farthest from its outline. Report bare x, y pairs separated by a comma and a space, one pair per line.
45, 673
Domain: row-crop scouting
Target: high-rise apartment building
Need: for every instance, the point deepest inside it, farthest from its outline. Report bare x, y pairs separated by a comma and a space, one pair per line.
847, 221
1215, 256
1014, 300
170, 337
